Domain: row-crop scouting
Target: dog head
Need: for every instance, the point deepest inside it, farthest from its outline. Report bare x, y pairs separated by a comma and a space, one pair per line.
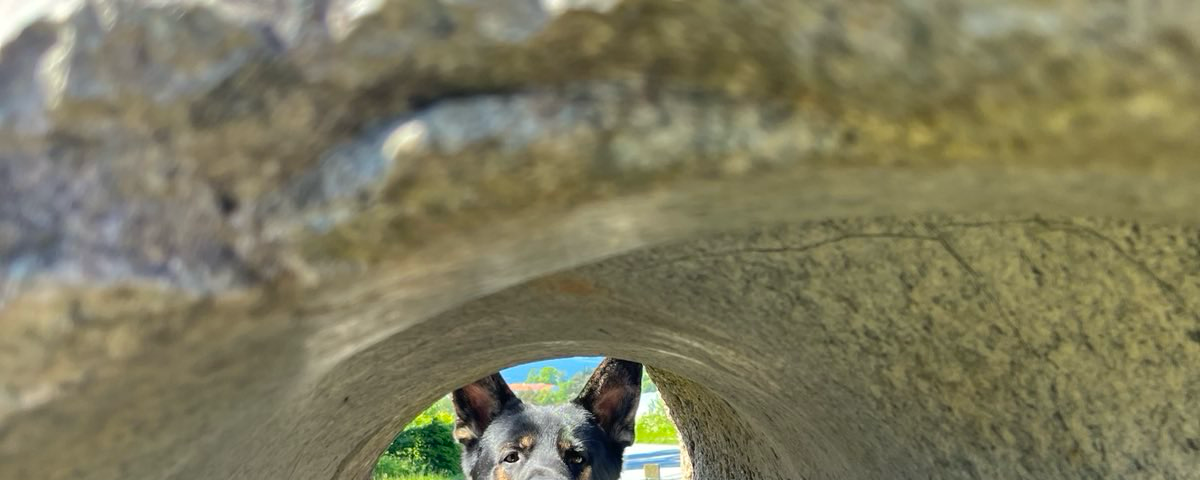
505, 439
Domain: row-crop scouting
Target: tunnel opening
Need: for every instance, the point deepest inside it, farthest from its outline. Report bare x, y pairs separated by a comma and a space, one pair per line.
888, 348
428, 448
726, 389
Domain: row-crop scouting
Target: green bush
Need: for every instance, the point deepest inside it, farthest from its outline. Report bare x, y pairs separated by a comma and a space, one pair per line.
426, 447
431, 446
655, 426
392, 466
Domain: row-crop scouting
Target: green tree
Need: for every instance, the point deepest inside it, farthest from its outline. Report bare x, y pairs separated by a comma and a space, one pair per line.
425, 447
573, 385
549, 375
565, 390
647, 384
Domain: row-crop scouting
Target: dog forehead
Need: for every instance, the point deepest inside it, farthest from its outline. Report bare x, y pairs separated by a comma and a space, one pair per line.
536, 424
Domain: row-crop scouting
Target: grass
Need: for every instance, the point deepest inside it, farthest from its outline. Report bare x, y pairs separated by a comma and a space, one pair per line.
391, 467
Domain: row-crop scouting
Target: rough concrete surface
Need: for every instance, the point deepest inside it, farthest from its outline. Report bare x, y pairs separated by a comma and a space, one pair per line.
249, 239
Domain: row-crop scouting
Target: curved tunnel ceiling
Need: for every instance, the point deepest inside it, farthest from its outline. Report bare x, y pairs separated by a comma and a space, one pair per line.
869, 239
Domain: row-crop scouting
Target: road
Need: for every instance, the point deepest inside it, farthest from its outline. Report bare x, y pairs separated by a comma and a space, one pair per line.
639, 454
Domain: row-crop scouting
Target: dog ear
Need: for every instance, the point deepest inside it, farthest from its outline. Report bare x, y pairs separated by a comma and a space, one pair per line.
611, 395
477, 404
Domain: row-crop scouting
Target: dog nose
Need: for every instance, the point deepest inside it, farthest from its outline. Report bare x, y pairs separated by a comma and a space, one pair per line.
544, 473
548, 475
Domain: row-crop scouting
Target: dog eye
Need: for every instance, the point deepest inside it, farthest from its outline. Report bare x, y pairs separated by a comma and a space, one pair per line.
573, 456
512, 457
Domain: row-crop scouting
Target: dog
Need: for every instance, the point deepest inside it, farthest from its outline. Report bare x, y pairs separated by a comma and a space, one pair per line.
502, 438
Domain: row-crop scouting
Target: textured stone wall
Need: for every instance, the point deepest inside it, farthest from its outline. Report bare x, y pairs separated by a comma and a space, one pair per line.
853, 239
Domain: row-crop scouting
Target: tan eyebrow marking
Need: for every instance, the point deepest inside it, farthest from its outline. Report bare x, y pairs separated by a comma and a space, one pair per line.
526, 442
463, 434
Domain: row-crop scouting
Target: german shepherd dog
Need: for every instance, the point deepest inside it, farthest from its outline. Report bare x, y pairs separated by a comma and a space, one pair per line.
505, 439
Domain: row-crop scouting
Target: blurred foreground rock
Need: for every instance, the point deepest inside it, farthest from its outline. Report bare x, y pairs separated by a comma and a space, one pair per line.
927, 239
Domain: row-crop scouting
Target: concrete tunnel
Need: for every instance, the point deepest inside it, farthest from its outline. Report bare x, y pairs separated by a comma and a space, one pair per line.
850, 239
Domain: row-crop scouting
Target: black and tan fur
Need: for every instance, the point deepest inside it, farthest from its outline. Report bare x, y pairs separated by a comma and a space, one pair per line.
504, 438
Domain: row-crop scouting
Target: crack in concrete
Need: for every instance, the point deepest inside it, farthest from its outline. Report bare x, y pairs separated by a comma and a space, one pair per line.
981, 284
1177, 300
1175, 297
788, 249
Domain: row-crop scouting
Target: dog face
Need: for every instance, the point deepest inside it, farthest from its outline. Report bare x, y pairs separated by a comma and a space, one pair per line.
505, 439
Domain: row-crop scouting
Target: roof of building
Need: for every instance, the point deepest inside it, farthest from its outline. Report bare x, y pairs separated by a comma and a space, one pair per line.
530, 387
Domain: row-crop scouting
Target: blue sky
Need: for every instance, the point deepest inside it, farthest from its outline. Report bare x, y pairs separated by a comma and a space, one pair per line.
568, 365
